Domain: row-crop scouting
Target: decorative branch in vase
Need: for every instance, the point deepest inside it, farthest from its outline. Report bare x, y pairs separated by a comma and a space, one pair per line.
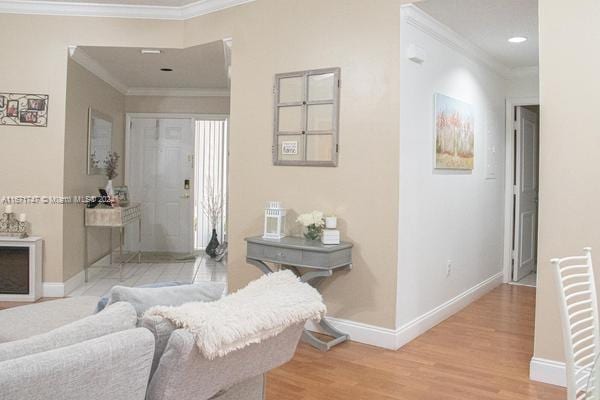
212, 206
111, 164
313, 224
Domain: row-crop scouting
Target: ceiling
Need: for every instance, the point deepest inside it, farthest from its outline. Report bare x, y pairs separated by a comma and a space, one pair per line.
202, 67
489, 23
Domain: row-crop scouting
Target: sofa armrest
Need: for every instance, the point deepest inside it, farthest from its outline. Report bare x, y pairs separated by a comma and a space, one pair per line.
113, 367
184, 373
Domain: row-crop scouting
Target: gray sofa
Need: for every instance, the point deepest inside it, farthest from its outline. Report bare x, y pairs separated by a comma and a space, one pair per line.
154, 361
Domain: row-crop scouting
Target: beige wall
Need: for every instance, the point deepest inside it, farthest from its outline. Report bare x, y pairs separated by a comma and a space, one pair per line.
569, 144
269, 36
179, 105
272, 36
33, 162
85, 90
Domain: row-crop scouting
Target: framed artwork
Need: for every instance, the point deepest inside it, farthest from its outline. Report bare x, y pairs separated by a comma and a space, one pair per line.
24, 109
454, 133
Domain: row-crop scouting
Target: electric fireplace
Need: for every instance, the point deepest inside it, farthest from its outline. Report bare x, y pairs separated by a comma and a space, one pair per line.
20, 268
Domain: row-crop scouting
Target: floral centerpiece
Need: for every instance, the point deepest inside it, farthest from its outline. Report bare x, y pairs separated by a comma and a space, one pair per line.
313, 223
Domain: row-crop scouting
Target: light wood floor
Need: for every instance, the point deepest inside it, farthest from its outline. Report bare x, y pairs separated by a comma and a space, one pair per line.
481, 353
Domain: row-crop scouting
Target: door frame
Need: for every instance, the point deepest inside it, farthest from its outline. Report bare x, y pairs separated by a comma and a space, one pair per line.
192, 117
511, 103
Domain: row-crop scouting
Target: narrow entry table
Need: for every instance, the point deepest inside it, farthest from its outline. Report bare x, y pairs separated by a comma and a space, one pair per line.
311, 261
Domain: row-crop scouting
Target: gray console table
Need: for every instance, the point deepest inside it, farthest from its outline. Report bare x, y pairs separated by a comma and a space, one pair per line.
311, 261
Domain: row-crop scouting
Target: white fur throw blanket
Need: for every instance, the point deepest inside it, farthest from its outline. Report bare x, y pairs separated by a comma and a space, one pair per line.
261, 310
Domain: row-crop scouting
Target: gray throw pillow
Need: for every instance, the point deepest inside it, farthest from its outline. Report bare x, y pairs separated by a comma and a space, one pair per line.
105, 299
144, 298
115, 318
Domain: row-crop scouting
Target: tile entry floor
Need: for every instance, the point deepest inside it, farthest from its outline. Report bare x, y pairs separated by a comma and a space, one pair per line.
101, 280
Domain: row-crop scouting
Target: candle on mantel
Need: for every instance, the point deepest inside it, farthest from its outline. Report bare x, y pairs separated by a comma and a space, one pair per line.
22, 217
8, 209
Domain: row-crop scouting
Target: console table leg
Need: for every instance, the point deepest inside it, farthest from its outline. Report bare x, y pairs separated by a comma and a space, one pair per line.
85, 252
140, 240
264, 268
121, 254
110, 241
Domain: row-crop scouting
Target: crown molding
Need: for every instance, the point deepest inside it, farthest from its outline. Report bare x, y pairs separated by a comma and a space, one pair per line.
87, 62
176, 92
40, 7
416, 17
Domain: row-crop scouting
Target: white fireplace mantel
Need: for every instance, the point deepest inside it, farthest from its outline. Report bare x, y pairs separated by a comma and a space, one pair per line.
35, 245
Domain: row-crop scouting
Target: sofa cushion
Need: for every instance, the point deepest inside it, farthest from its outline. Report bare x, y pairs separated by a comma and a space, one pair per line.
115, 318
144, 298
33, 319
111, 367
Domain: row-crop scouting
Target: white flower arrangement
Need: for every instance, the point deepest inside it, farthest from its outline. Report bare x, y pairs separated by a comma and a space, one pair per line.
312, 218
314, 224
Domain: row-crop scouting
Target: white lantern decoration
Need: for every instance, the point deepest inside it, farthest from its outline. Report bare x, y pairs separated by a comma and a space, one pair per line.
274, 221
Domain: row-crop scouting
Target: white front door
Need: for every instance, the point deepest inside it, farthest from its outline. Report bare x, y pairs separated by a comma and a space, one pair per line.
161, 160
526, 198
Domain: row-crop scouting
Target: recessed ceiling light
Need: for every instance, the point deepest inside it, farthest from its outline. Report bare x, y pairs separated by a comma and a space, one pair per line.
150, 51
517, 39
166, 69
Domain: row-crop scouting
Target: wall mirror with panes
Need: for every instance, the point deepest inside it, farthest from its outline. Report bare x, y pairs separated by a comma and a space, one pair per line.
306, 118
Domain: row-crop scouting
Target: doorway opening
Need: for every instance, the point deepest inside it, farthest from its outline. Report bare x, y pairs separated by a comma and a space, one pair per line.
169, 110
523, 138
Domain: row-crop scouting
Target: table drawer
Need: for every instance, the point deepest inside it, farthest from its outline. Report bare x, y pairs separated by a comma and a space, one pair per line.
282, 256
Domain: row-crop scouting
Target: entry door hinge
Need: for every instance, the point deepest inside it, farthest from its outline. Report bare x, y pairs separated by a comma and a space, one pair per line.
515, 189
130, 124
514, 254
516, 125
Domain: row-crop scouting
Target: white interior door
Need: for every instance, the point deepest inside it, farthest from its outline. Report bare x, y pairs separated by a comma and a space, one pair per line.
161, 160
526, 199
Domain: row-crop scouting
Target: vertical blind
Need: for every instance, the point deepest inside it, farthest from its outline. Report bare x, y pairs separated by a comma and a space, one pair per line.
210, 170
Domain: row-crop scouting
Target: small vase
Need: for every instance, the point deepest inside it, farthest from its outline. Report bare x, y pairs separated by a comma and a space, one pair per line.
312, 233
109, 188
211, 248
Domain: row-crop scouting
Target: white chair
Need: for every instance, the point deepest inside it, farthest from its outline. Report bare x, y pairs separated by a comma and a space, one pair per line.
579, 314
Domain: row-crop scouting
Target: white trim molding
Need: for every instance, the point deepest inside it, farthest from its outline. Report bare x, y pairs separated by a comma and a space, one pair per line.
418, 18
82, 58
509, 166
422, 324
393, 339
437, 30
548, 371
62, 289
117, 10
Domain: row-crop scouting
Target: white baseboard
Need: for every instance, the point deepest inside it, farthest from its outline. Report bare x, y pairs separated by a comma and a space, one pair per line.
425, 322
395, 338
362, 333
548, 371
61, 289
53, 289
74, 282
